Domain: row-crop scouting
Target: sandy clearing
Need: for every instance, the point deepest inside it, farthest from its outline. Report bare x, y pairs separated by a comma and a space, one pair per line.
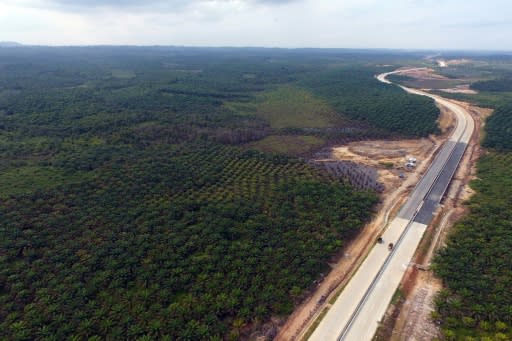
387, 157
422, 73
460, 89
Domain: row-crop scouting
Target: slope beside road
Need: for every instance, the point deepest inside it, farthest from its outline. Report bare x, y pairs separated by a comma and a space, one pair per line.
356, 313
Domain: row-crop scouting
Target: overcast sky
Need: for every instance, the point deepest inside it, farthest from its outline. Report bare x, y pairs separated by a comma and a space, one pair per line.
432, 24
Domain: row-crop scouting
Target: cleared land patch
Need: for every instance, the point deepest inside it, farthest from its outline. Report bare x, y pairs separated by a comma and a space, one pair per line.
388, 157
27, 179
292, 107
288, 144
118, 73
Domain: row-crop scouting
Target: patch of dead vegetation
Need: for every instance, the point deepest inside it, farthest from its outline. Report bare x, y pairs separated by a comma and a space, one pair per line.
445, 121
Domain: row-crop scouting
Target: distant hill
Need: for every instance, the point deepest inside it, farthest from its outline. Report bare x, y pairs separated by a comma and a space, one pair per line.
9, 44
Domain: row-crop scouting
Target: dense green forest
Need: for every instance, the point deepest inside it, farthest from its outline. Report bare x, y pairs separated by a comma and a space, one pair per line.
475, 265
183, 243
499, 85
498, 129
136, 201
378, 104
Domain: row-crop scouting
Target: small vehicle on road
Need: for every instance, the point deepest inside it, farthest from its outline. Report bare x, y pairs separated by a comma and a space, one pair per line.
390, 246
380, 240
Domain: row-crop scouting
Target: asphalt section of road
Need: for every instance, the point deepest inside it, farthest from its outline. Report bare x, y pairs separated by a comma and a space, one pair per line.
430, 204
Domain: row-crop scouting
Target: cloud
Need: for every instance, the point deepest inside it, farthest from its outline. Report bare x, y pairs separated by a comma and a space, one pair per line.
479, 24
123, 5
275, 2
281, 23
113, 3
168, 6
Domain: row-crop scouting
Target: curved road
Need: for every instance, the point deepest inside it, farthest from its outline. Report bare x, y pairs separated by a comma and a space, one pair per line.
356, 313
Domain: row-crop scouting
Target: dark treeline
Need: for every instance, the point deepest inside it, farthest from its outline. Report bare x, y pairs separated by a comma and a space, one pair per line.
356, 93
497, 85
498, 129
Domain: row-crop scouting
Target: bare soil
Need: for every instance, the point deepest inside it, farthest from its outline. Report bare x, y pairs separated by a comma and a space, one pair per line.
388, 157
458, 61
423, 74
460, 89
446, 121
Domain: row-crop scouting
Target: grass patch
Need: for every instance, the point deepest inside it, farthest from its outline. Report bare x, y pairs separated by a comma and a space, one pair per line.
387, 165
315, 324
27, 179
397, 296
483, 98
117, 73
288, 144
242, 108
292, 107
288, 107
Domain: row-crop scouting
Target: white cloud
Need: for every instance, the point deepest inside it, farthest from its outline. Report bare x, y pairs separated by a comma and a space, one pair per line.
286, 23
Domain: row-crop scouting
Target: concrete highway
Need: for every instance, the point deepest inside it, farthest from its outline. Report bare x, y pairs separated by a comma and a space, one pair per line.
356, 313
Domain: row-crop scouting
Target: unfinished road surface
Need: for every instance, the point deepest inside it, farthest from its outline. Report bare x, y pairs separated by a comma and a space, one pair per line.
356, 313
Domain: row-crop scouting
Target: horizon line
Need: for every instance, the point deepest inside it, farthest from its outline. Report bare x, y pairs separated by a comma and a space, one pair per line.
404, 49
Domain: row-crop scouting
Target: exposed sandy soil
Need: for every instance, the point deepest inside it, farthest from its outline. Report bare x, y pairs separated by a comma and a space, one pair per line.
388, 157
446, 121
446, 63
458, 61
460, 89
419, 326
423, 74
